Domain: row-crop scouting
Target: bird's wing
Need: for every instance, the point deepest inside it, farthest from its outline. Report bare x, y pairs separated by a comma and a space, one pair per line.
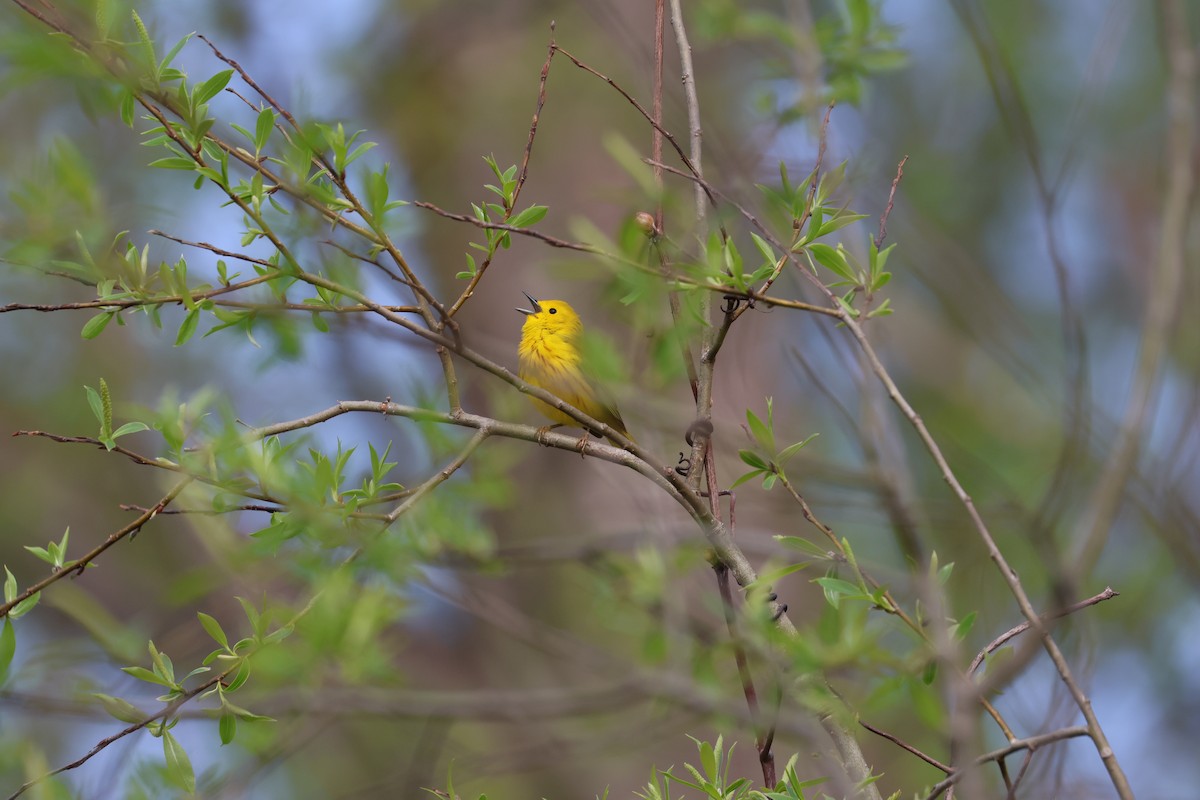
589, 396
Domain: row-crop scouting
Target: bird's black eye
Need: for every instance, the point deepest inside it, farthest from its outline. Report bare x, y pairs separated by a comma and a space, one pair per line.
554, 311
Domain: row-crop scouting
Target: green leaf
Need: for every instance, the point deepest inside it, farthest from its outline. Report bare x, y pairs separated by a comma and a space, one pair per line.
41, 553
213, 628
833, 260
227, 727
96, 404
262, 128
765, 248
188, 327
753, 459
119, 708
838, 222
174, 51
879, 257
836, 588
25, 606
239, 680
211, 87
130, 427
708, 760
242, 713
96, 325
761, 432
964, 627
174, 162
804, 545
143, 674
361, 150
530, 216
848, 309
751, 475
792, 449
179, 766
772, 576
252, 615
733, 262
194, 673
883, 310
10, 585
8, 649
127, 108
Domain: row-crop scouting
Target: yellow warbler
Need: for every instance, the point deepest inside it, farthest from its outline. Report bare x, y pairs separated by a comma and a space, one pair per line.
550, 359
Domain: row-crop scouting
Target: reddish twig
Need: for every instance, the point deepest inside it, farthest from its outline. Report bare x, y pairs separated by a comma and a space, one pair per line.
906, 746
687, 162
522, 174
656, 138
553, 241
890, 203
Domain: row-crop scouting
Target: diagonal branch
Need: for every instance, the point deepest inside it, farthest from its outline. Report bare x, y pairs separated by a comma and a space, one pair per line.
77, 566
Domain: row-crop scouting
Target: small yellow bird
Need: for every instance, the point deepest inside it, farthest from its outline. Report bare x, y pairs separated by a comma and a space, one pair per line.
549, 358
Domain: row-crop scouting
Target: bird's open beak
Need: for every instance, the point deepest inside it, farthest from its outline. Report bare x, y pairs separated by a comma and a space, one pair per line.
537, 307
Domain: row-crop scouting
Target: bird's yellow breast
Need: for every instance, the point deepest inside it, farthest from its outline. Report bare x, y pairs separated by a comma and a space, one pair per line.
549, 358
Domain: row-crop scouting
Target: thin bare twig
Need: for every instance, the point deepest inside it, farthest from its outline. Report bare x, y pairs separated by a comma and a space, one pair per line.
1000, 640
883, 218
77, 566
522, 174
1031, 743
440, 477
906, 746
553, 241
165, 712
687, 162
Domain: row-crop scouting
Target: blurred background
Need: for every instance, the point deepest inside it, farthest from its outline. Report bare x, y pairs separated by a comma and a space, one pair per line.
1030, 226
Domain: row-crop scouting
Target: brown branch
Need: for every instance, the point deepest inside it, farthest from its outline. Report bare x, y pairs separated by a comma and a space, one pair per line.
425, 300
163, 713
656, 137
146, 461
1012, 633
906, 746
1006, 571
207, 512
890, 203
583, 247
438, 478
137, 302
1009, 575
522, 174
500, 226
77, 567
687, 162
692, 104
1031, 743
656, 235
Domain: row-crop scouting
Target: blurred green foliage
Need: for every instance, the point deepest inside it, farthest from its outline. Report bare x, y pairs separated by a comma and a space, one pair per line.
388, 594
